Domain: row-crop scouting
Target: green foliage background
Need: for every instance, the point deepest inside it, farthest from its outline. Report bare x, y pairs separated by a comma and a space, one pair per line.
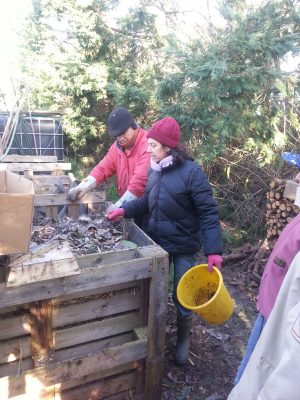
237, 109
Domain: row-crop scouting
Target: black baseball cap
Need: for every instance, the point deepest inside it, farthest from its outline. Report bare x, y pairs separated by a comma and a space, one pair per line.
119, 121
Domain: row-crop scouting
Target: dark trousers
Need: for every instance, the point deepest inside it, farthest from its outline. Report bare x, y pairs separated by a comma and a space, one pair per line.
182, 263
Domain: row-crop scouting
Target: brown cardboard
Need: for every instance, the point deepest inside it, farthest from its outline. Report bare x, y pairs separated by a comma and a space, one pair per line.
16, 209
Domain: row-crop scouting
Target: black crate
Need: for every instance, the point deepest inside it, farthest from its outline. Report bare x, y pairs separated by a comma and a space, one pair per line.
40, 135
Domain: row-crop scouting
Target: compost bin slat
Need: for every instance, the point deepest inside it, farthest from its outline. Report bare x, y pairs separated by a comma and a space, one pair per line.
102, 389
12, 158
61, 199
63, 371
38, 167
101, 375
95, 330
91, 279
15, 348
93, 309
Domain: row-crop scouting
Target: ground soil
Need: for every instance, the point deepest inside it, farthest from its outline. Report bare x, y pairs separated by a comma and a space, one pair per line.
215, 351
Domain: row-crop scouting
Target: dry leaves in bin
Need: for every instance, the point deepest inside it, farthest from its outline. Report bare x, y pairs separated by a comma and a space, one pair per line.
86, 236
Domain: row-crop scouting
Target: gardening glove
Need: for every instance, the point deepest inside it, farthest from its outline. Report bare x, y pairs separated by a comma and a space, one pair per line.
214, 260
127, 196
80, 190
116, 215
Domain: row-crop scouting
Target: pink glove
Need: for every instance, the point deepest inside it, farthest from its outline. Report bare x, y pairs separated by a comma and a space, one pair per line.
116, 215
214, 260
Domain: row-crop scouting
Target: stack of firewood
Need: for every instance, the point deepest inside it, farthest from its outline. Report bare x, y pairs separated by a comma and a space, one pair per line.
280, 210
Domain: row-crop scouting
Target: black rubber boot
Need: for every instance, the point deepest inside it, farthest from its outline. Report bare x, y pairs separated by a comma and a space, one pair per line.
183, 339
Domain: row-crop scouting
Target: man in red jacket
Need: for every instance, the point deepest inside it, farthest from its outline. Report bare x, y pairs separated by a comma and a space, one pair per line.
127, 158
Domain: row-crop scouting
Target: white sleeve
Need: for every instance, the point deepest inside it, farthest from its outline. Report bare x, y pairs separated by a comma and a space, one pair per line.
127, 196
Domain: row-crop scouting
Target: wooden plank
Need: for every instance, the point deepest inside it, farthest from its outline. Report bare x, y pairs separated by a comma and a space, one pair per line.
290, 189
7, 310
43, 200
154, 251
34, 253
102, 278
11, 351
20, 349
48, 184
15, 368
99, 375
141, 332
95, 292
112, 388
136, 235
158, 300
38, 167
74, 369
140, 379
100, 390
42, 344
95, 330
144, 301
11, 327
106, 258
44, 180
92, 348
73, 211
128, 395
56, 263
92, 309
15, 349
29, 159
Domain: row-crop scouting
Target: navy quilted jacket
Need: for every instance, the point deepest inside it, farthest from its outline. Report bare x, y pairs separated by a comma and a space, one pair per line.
182, 211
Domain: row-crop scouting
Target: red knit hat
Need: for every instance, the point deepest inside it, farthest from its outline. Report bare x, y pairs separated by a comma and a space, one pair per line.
166, 131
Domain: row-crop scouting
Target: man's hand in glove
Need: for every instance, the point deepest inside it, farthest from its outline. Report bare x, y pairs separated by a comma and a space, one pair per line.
116, 215
80, 190
214, 260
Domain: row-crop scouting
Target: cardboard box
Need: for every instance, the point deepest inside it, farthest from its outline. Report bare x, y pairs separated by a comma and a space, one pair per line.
16, 209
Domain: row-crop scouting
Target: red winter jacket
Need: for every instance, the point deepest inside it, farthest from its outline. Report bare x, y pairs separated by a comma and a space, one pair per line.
130, 169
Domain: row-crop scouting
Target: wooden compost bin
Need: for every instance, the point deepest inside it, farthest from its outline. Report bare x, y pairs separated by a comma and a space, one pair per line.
99, 334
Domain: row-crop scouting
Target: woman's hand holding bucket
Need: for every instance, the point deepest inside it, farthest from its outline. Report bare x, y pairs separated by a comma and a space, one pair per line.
214, 260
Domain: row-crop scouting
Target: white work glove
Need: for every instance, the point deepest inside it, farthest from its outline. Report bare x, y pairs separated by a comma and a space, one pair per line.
127, 196
80, 190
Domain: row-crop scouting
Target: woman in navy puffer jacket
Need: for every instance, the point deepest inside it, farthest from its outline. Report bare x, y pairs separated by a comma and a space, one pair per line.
182, 213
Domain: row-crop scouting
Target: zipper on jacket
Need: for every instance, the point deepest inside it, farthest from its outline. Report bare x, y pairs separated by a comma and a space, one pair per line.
157, 195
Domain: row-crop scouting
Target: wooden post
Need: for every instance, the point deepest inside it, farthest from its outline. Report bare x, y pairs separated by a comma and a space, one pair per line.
42, 344
156, 328
144, 301
73, 211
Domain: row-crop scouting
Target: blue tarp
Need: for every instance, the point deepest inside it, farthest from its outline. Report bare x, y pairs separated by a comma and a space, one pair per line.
292, 158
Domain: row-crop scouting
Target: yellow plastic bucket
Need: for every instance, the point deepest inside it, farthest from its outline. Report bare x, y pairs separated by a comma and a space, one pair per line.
204, 293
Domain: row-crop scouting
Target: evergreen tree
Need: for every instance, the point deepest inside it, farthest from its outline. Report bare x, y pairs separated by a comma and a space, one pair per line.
229, 91
83, 65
